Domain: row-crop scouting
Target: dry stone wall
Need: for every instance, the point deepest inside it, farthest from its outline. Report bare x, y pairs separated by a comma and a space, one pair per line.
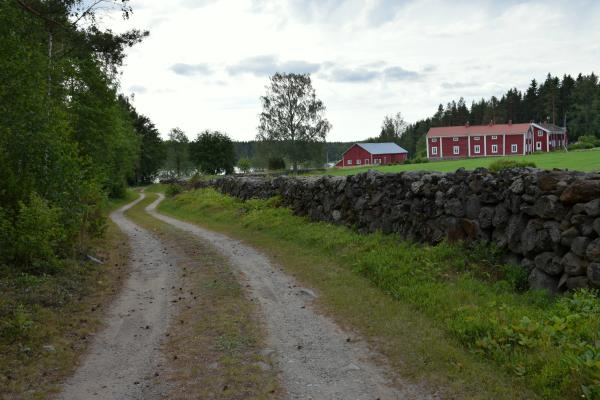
547, 221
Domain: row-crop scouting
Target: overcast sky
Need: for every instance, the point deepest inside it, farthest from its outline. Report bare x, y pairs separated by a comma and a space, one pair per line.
207, 62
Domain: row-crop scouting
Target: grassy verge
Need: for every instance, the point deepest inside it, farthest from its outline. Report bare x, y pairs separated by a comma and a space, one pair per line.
574, 160
438, 313
46, 321
215, 340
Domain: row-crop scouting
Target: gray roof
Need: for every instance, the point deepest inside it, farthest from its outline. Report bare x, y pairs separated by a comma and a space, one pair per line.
382, 148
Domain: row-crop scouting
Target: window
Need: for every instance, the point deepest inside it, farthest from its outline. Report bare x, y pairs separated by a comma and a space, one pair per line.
433, 140
349, 162
476, 138
357, 162
477, 149
540, 133
434, 151
494, 148
514, 148
538, 145
455, 139
494, 137
366, 161
456, 150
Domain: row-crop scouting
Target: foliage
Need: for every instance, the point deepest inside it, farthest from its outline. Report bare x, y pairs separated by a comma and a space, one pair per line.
585, 142
173, 190
499, 165
276, 164
549, 343
292, 117
66, 139
213, 153
244, 164
177, 163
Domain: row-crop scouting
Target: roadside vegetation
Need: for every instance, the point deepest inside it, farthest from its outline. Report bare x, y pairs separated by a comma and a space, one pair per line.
46, 320
447, 315
215, 339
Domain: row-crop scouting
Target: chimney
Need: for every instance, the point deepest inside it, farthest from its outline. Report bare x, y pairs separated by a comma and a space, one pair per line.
510, 121
467, 124
491, 122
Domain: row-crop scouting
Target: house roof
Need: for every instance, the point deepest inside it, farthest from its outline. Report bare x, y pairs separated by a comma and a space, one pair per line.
478, 130
382, 148
550, 127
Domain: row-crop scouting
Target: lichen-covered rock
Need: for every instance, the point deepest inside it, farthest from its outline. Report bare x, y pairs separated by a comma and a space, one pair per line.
581, 192
573, 265
539, 280
550, 263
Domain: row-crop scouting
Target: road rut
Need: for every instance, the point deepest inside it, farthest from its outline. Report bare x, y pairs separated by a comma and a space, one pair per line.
125, 355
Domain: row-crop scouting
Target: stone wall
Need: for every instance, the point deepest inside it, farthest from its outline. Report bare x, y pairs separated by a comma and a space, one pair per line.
548, 221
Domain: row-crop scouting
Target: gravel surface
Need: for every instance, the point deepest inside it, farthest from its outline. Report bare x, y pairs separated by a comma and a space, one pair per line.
124, 357
312, 352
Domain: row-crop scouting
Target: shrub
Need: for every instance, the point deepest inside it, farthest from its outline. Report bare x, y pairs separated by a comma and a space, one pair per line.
585, 142
499, 165
173, 190
244, 165
276, 163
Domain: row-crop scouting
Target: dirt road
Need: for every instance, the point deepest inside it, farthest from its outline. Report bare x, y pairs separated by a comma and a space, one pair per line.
124, 357
313, 355
312, 352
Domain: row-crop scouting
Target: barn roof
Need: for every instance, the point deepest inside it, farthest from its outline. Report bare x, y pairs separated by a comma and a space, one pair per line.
478, 130
382, 148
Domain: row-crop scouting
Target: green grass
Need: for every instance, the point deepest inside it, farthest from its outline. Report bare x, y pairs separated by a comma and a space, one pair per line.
573, 160
439, 313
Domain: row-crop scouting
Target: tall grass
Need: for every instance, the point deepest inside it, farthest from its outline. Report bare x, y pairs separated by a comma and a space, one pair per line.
551, 343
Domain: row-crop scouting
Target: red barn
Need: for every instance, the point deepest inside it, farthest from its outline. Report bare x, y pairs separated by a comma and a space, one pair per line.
493, 140
360, 154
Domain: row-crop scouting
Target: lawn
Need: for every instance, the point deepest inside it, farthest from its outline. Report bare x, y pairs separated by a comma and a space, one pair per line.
446, 315
574, 160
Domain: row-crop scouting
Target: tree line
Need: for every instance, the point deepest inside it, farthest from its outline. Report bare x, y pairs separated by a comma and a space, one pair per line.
574, 101
68, 139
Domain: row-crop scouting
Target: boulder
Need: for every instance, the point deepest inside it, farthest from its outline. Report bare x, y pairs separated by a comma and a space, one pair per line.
593, 274
539, 280
592, 252
517, 186
455, 208
535, 239
549, 263
566, 238
579, 245
501, 215
581, 191
548, 207
596, 226
592, 208
485, 217
573, 265
472, 207
577, 282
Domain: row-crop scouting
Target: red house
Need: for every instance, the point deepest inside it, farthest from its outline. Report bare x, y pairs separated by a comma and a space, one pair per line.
492, 140
360, 154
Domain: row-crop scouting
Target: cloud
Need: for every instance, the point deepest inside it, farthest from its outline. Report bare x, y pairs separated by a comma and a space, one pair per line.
138, 89
369, 73
191, 69
268, 65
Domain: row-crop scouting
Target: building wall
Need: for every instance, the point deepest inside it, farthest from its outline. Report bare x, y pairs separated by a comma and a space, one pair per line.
477, 141
434, 143
543, 139
491, 142
356, 153
514, 139
448, 144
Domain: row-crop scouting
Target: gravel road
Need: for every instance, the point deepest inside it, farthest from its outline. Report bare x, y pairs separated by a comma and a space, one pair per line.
312, 352
124, 357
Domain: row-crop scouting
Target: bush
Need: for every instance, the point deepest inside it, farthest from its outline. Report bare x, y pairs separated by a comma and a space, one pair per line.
276, 163
585, 142
244, 165
173, 190
499, 165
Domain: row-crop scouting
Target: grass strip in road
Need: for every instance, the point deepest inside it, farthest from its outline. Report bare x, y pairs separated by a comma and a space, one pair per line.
215, 342
46, 321
439, 315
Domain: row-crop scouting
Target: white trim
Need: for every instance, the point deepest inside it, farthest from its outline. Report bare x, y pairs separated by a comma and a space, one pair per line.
547, 143
515, 147
455, 150
485, 146
477, 149
524, 143
434, 151
494, 149
428, 144
441, 147
503, 144
469, 146
538, 147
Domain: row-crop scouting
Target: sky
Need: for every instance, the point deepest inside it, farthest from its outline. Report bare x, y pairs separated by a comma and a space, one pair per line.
207, 62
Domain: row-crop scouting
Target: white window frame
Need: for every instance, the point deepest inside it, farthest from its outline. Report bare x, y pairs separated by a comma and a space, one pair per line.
494, 149
367, 161
434, 151
456, 150
358, 162
476, 137
538, 146
514, 148
494, 137
349, 162
477, 149
455, 139
540, 133
433, 140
